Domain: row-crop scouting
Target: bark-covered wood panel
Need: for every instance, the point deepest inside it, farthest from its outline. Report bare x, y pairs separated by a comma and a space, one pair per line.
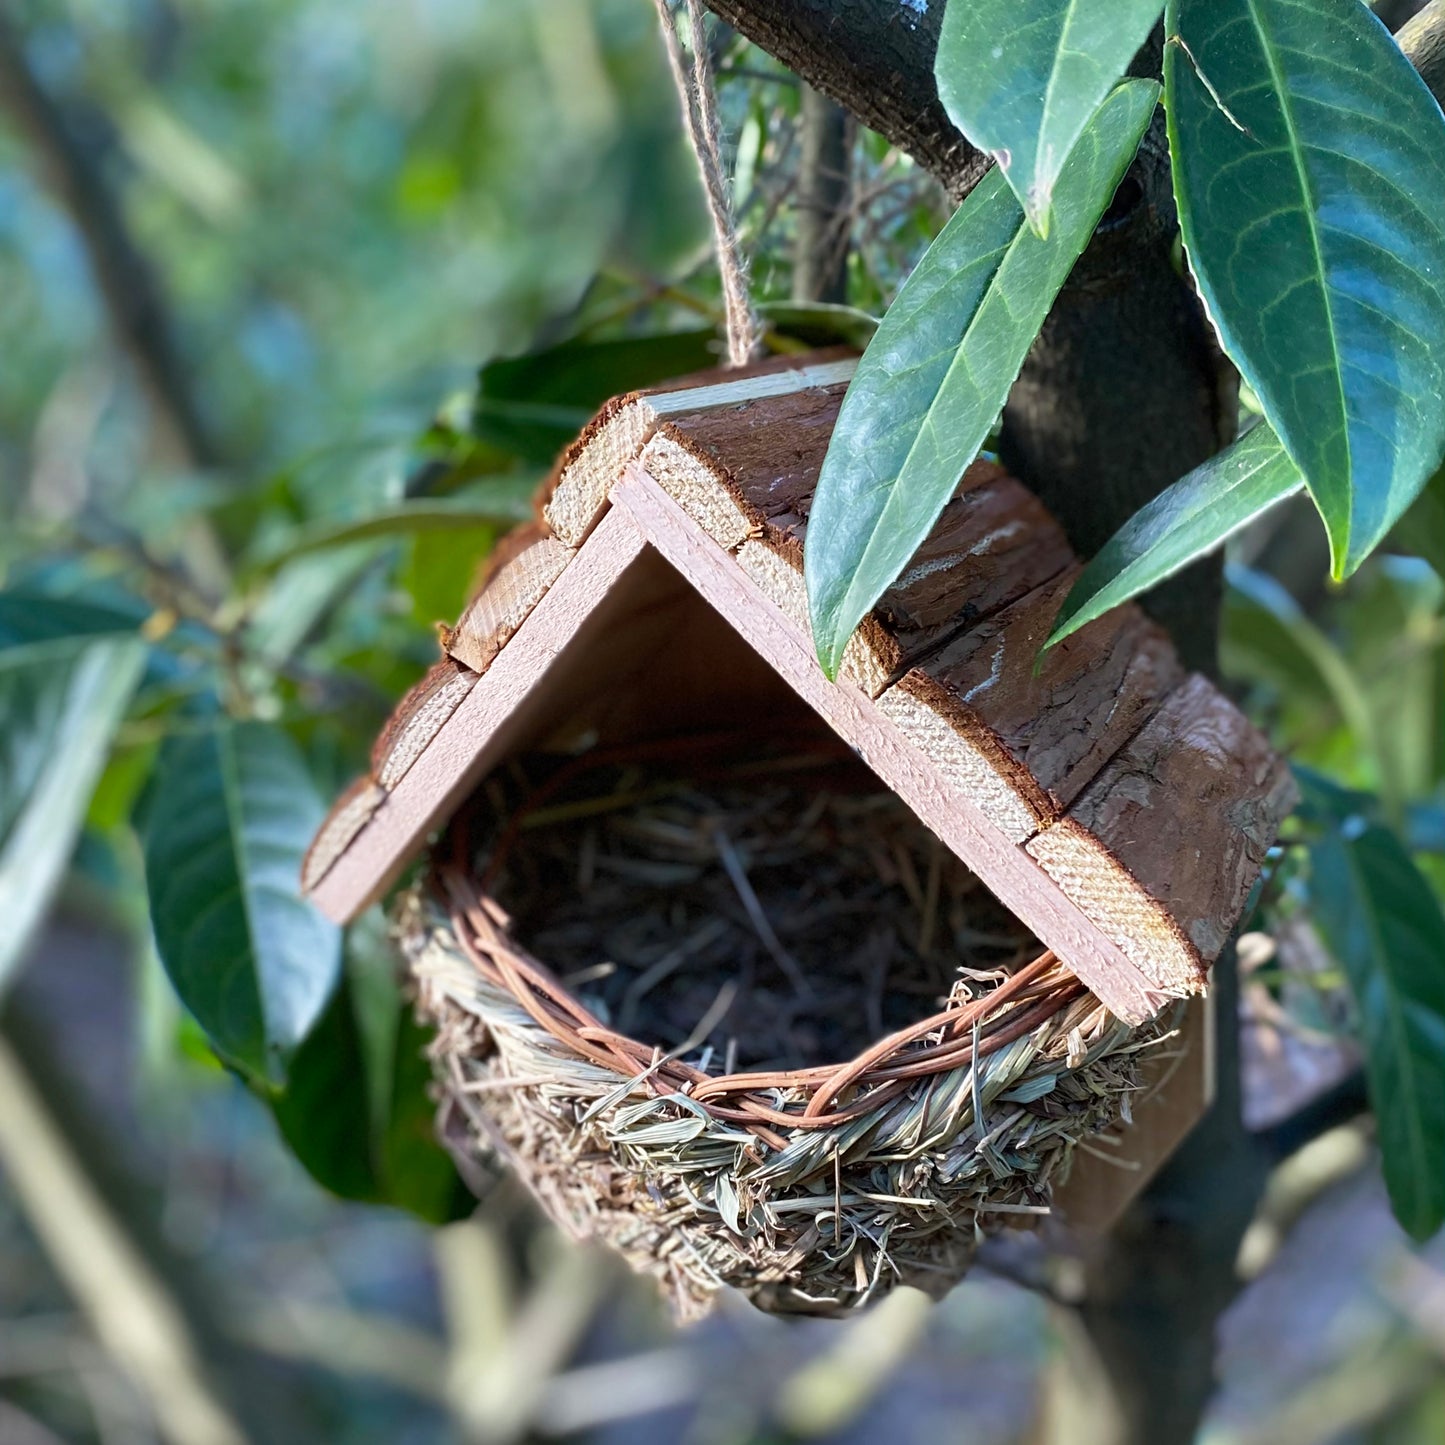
1052, 721
1171, 835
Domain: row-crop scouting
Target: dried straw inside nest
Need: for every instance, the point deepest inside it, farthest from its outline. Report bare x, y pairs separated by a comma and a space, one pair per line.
752, 1026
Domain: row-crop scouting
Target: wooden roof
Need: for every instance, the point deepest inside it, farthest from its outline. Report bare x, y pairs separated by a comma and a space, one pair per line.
1119, 806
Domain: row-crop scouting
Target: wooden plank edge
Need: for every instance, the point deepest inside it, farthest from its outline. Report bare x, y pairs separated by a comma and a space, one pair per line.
969, 756
1180, 881
463, 746
618, 433
591, 464
507, 600
1099, 884
1004, 867
417, 719
349, 814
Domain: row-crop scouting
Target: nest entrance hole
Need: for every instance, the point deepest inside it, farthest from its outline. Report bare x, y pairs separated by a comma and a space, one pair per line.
762, 912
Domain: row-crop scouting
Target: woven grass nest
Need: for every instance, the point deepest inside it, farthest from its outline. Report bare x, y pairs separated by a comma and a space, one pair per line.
752, 1024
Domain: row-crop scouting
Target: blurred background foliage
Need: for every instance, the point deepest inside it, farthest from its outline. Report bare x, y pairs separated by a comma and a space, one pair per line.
298, 298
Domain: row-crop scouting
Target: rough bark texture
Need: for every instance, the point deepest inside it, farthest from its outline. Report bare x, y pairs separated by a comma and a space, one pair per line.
1423, 40
1057, 719
1121, 395
874, 57
1195, 752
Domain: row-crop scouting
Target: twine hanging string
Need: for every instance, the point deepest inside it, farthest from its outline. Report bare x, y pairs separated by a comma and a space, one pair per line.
699, 110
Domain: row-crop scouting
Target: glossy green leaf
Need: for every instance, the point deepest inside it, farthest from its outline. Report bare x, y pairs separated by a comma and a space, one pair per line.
1188, 521
62, 697
535, 405
1380, 918
1315, 649
1022, 81
357, 1110
933, 380
1309, 167
41, 627
228, 822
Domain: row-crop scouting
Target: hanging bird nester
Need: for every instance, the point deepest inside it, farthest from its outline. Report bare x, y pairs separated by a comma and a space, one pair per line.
781, 984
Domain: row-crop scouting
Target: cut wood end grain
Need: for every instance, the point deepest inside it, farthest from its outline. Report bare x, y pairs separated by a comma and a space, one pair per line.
351, 812
592, 464
1139, 924
418, 719
1168, 839
506, 600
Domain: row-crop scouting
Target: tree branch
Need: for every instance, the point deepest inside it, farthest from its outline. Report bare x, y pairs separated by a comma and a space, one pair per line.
875, 58
129, 286
1423, 41
820, 264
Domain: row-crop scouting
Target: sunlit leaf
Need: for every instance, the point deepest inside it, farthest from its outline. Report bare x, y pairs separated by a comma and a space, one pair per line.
1379, 917
1021, 81
230, 817
441, 569
1309, 166
934, 378
535, 405
1189, 520
62, 697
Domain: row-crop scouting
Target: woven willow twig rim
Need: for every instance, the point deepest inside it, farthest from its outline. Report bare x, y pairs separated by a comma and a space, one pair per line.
949, 1039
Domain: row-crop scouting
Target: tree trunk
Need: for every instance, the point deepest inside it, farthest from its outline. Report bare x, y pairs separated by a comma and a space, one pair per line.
1121, 395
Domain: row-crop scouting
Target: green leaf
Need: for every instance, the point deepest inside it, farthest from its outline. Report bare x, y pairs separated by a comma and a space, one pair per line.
535, 405
323, 1113
1317, 650
356, 1110
1189, 520
1022, 81
43, 627
232, 812
1379, 917
62, 699
819, 323
933, 380
440, 571
419, 1174
1309, 167
505, 501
